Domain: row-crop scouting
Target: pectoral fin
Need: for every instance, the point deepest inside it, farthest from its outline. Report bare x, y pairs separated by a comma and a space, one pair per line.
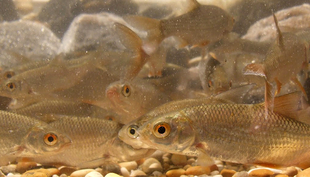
204, 158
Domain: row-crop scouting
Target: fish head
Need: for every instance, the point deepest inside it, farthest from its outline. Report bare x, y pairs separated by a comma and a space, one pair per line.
172, 133
44, 140
14, 88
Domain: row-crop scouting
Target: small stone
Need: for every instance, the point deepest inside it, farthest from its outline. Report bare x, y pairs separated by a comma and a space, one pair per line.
132, 165
304, 173
166, 160
290, 171
178, 159
166, 166
137, 173
55, 176
41, 172
261, 173
227, 173
94, 174
214, 168
125, 172
112, 175
281, 175
175, 173
8, 169
22, 167
63, 175
241, 174
198, 170
157, 174
81, 173
66, 171
190, 161
150, 165
186, 167
158, 154
214, 173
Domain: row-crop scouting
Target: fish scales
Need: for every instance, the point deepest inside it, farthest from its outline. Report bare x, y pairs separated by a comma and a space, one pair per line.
242, 132
204, 18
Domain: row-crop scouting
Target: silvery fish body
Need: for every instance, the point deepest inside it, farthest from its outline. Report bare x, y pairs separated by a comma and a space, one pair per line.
230, 132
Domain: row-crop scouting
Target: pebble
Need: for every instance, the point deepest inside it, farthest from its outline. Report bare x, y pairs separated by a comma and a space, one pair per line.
186, 167
190, 161
261, 173
214, 173
158, 155
150, 165
112, 175
13, 175
8, 169
198, 170
304, 173
125, 172
21, 167
281, 175
157, 174
178, 159
41, 172
66, 170
129, 165
94, 174
290, 171
81, 173
241, 174
137, 173
175, 173
227, 173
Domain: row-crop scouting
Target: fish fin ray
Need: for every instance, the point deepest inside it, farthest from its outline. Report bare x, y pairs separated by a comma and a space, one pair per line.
235, 95
280, 36
204, 158
128, 38
289, 104
299, 85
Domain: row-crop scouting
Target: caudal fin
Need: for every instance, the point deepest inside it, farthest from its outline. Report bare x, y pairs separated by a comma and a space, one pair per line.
153, 29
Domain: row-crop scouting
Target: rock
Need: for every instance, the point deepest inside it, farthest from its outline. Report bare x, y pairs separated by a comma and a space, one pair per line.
190, 161
158, 155
90, 31
67, 170
290, 171
28, 39
214, 173
241, 174
227, 173
94, 174
112, 175
175, 173
157, 174
13, 175
178, 159
81, 173
186, 167
8, 169
41, 172
125, 172
261, 173
198, 170
281, 175
132, 165
304, 173
214, 167
137, 173
293, 19
150, 165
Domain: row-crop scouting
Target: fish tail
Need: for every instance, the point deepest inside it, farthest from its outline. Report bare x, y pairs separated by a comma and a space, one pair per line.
134, 44
153, 29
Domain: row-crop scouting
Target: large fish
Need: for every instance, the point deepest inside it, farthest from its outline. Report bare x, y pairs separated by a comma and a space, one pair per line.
94, 142
25, 137
198, 27
226, 131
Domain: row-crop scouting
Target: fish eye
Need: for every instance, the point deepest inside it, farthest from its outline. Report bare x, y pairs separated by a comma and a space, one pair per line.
50, 139
9, 74
126, 91
11, 86
132, 131
161, 130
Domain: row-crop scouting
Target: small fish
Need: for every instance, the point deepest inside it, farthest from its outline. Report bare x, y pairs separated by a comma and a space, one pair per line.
225, 131
134, 98
284, 60
93, 143
25, 137
198, 27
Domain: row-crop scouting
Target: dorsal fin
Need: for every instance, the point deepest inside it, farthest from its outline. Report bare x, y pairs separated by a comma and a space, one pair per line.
280, 36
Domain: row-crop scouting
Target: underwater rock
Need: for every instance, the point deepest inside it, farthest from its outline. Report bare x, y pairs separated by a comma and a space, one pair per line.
175, 173
90, 31
29, 39
198, 170
227, 172
293, 19
58, 14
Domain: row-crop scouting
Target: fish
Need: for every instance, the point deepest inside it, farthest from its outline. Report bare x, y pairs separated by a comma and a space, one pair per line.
201, 25
25, 137
93, 143
131, 99
230, 132
286, 57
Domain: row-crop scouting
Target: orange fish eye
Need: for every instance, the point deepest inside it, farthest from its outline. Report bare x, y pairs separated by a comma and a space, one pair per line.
11, 86
161, 130
9, 74
50, 139
126, 91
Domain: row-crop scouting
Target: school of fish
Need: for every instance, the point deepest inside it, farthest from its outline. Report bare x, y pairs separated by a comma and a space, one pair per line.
186, 84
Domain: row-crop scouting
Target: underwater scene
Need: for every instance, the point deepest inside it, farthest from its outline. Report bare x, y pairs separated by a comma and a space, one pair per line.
160, 88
